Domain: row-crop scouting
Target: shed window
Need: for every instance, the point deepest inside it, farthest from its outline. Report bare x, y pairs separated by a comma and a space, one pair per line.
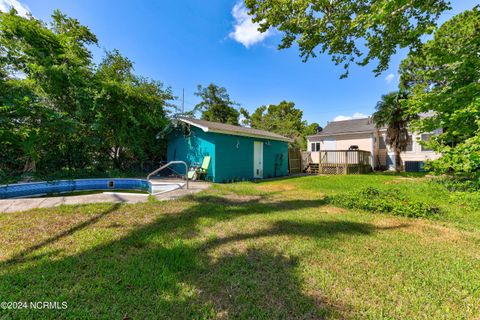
315, 146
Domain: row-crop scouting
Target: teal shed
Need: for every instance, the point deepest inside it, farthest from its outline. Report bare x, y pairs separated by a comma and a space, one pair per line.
237, 153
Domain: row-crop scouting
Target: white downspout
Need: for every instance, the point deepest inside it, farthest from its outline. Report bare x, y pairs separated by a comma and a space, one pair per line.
372, 149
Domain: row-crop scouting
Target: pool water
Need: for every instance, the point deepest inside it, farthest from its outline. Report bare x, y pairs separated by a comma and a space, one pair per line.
36, 189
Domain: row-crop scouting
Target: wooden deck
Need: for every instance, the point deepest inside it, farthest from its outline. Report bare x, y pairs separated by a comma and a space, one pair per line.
340, 162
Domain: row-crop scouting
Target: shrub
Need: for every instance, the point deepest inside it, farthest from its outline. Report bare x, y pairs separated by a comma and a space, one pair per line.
469, 200
389, 201
470, 183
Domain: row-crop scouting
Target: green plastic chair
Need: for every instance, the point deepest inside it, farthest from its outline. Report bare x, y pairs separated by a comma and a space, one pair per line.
199, 172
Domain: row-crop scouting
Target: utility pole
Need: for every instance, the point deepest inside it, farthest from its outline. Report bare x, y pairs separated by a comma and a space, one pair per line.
183, 100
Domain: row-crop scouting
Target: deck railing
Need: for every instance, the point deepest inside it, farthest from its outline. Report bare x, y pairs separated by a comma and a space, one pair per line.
343, 161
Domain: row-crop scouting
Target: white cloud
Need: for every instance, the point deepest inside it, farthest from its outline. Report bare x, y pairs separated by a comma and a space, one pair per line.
389, 78
241, 120
22, 9
245, 30
356, 115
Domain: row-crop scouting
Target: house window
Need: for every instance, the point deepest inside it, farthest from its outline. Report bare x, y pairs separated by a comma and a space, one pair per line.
409, 143
381, 143
426, 137
315, 147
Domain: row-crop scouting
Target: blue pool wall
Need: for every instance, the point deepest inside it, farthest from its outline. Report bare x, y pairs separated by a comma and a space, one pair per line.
19, 190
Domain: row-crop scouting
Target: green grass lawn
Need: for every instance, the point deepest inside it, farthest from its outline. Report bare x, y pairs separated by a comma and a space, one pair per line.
274, 249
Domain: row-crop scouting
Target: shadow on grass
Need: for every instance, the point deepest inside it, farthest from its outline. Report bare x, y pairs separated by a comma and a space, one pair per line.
400, 174
161, 271
21, 256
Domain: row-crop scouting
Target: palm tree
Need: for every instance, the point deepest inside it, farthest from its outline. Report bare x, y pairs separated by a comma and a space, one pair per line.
391, 113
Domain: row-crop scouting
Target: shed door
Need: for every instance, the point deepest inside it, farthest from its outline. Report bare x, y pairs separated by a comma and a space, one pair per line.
258, 159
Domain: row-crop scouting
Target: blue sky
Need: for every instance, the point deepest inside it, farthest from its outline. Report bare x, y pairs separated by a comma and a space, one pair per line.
190, 42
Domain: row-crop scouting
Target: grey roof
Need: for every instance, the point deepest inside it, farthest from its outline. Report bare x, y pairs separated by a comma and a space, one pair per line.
209, 126
348, 126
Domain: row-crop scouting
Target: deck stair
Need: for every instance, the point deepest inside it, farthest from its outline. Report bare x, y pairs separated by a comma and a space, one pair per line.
313, 168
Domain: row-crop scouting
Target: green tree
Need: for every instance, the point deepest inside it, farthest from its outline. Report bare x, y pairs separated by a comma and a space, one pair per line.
283, 119
349, 30
442, 79
311, 129
308, 130
129, 112
216, 105
392, 113
56, 64
19, 138
61, 112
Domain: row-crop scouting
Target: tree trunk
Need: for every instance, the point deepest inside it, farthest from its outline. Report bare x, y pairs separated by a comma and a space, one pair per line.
398, 160
116, 157
30, 166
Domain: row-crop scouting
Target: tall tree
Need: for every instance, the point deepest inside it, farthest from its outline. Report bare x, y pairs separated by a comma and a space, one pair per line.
20, 133
56, 65
356, 31
442, 79
129, 112
216, 104
283, 119
312, 129
392, 113
59, 111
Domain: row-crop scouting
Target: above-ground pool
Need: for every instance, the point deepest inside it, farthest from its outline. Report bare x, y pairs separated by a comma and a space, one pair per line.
37, 189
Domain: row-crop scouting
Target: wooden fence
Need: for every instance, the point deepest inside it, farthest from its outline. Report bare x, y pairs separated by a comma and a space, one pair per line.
294, 160
344, 162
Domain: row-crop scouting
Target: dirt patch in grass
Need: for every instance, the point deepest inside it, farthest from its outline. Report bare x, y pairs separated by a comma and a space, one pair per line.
235, 198
276, 187
427, 230
334, 210
323, 302
228, 199
402, 180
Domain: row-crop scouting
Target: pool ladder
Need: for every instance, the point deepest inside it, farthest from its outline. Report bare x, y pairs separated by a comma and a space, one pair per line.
167, 165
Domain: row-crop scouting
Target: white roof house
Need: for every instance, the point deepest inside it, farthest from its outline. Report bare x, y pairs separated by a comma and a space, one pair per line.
362, 134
